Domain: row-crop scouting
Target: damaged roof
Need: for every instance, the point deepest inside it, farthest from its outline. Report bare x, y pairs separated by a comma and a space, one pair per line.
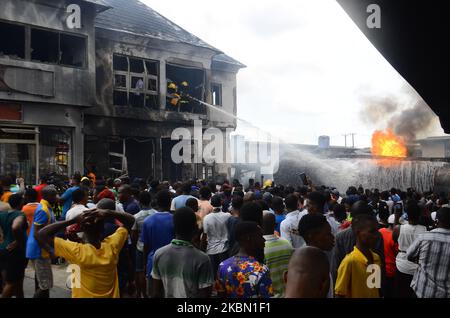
101, 5
223, 58
133, 16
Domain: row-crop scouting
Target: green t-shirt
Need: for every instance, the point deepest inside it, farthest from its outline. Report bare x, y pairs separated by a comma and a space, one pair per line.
6, 233
183, 270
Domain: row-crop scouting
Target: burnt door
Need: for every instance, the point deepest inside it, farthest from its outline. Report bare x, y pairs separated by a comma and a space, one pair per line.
171, 171
140, 158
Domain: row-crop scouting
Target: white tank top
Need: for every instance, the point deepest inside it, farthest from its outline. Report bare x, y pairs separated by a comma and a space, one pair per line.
408, 234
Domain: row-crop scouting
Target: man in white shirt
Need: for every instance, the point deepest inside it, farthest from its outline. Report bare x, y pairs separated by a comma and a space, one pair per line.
80, 198
289, 226
216, 233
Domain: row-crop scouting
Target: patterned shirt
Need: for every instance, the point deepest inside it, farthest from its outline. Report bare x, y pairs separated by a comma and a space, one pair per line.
277, 253
432, 278
244, 277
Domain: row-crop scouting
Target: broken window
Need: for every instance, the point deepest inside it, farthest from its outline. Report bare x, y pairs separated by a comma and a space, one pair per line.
12, 40
216, 93
120, 98
73, 50
120, 63
136, 81
136, 66
58, 48
44, 46
152, 67
120, 81
184, 82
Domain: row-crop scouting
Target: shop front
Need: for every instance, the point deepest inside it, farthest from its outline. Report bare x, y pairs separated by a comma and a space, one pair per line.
38, 143
30, 152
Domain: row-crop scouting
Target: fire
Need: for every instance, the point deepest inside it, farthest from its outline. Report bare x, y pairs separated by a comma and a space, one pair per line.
388, 144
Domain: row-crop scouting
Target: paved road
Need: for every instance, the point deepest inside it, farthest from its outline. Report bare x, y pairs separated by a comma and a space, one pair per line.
59, 289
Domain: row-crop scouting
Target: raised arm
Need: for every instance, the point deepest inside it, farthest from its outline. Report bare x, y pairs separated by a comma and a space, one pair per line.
45, 235
126, 219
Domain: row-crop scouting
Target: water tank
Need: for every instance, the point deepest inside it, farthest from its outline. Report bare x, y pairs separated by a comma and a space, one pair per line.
324, 141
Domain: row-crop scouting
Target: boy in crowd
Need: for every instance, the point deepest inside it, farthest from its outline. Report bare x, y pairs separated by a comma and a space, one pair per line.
277, 252
173, 276
13, 226
157, 231
316, 231
38, 253
242, 276
308, 274
432, 252
97, 257
353, 280
146, 211
215, 233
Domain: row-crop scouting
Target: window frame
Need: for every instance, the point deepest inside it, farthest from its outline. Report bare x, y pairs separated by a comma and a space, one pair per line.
13, 57
146, 76
220, 102
28, 28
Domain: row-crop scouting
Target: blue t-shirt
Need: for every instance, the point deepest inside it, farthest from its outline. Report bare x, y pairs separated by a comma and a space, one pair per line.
131, 207
67, 198
278, 219
157, 232
40, 217
180, 201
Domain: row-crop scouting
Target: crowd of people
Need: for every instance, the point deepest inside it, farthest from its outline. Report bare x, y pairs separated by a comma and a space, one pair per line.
132, 238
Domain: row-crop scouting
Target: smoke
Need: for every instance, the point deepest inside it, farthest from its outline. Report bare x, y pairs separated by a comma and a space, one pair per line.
413, 122
410, 120
376, 109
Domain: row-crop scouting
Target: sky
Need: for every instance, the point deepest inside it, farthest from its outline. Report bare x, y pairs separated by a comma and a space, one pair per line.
309, 67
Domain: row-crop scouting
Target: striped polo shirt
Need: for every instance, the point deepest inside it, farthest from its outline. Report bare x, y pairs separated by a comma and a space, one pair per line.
277, 253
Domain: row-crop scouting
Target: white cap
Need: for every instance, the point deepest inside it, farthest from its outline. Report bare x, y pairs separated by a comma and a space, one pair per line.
433, 216
391, 219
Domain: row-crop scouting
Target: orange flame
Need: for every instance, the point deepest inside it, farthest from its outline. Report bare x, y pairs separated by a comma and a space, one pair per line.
388, 144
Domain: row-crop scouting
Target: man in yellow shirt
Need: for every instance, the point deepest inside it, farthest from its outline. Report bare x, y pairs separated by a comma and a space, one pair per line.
94, 262
359, 275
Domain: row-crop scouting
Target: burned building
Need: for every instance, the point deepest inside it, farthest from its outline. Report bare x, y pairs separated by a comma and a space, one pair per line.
102, 84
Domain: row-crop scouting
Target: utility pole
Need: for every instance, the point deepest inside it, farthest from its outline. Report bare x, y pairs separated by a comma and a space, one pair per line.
345, 136
353, 139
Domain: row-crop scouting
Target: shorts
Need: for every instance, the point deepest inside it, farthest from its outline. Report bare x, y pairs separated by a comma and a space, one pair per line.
14, 266
139, 261
43, 273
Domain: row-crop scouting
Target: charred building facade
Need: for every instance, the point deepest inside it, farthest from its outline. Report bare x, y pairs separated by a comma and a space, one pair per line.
105, 93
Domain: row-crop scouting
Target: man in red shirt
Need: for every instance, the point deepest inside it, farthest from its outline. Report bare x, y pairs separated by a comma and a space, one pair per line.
390, 250
42, 185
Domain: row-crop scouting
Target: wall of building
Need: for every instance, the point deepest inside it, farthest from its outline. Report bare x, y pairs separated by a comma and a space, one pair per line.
228, 82
109, 43
41, 82
433, 149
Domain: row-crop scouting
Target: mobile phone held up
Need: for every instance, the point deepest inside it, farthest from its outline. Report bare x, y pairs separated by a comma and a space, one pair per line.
303, 178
